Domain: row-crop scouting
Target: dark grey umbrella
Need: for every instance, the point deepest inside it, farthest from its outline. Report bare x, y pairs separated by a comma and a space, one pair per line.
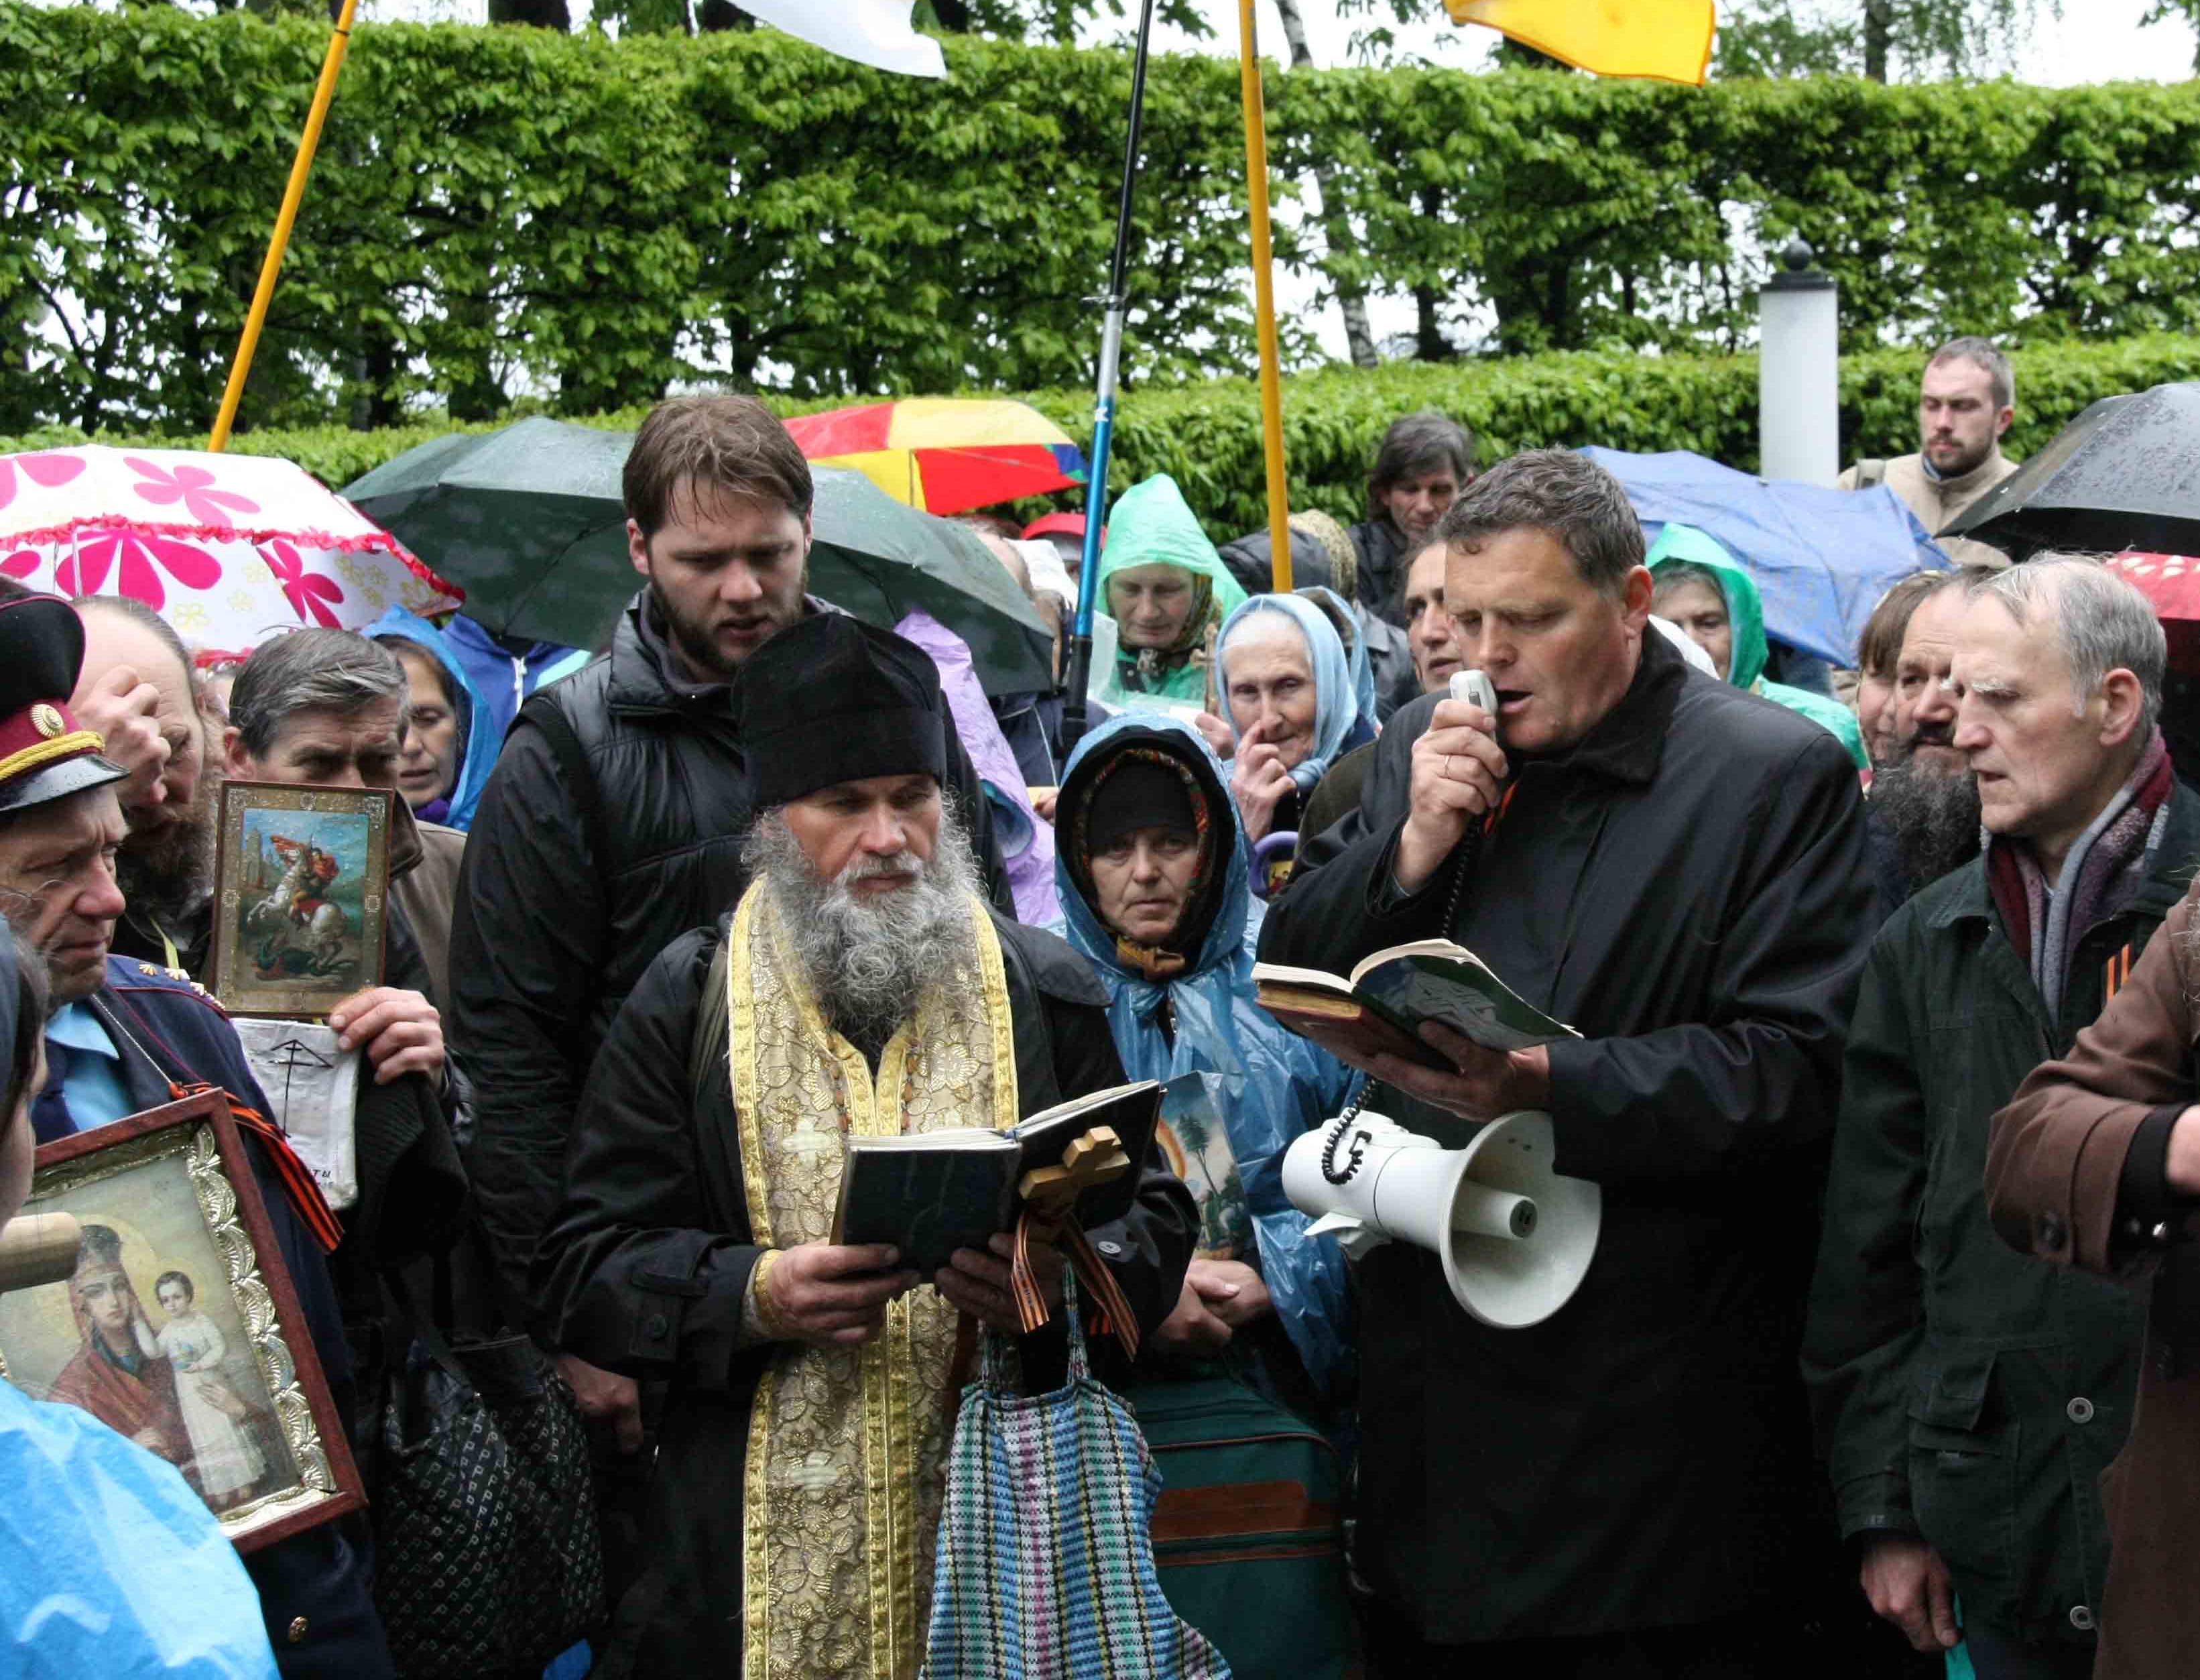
877, 558
530, 522
2125, 474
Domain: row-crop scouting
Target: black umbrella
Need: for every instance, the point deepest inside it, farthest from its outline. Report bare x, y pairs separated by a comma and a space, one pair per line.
530, 522
2125, 474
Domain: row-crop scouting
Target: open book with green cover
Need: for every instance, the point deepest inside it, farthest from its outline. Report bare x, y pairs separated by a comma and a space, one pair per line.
1378, 1007
929, 1193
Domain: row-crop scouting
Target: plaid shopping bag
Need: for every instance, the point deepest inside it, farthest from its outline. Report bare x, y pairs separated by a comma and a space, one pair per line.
1046, 1558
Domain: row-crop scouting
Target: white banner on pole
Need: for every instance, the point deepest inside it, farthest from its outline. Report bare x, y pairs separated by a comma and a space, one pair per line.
876, 33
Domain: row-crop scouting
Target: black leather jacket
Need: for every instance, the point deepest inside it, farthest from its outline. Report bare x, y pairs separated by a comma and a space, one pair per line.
567, 897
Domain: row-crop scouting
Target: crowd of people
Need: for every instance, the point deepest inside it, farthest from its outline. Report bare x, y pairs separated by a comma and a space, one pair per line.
1881, 1067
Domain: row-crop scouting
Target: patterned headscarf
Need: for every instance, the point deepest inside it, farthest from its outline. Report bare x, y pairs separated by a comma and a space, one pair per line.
1336, 546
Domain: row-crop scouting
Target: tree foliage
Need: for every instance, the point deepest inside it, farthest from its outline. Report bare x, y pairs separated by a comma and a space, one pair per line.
510, 213
1774, 37
1945, 37
1207, 436
1056, 22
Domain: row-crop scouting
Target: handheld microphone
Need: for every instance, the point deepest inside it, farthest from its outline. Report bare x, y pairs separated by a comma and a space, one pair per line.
1475, 688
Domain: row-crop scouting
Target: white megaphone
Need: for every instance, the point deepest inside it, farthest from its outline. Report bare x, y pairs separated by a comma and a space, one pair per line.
1515, 1237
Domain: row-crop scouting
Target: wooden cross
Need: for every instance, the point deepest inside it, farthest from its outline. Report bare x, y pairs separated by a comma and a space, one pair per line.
1097, 1158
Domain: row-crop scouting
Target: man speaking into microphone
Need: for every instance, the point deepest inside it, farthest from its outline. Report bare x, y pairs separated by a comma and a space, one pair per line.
1678, 870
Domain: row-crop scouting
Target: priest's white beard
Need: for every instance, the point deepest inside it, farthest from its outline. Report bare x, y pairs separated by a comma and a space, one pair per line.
867, 957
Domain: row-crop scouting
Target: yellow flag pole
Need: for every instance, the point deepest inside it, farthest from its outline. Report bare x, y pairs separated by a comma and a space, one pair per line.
1264, 302
293, 195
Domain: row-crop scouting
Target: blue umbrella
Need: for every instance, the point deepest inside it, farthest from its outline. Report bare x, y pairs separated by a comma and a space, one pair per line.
1820, 558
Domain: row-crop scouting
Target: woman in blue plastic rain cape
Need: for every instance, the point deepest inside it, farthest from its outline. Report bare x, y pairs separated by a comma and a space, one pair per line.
109, 1564
1153, 873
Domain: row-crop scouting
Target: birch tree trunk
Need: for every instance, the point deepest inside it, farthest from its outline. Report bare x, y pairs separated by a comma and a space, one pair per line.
1337, 228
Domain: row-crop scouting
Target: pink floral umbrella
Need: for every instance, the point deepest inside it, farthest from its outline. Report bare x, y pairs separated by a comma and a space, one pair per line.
231, 549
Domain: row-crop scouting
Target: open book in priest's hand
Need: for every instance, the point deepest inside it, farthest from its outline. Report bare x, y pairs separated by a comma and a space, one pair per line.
1380, 1006
929, 1193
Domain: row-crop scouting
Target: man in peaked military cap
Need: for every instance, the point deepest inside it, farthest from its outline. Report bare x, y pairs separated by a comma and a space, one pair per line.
873, 991
127, 1036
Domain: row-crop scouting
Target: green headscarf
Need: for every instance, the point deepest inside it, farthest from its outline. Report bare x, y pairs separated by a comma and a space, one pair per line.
1679, 545
1154, 525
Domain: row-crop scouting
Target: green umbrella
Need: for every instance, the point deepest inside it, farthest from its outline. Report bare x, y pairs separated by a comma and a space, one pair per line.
877, 558
529, 518
530, 521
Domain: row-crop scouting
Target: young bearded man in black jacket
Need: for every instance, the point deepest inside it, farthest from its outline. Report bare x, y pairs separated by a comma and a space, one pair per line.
614, 823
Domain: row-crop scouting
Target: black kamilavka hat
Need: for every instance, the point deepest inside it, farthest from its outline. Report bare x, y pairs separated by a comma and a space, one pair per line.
831, 700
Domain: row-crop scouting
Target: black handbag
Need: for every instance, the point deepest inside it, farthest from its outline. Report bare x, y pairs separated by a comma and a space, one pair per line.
488, 1562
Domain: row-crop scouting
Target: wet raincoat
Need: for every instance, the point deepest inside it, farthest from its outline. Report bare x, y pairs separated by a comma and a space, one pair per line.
1026, 843
1746, 610
1266, 1085
1153, 525
479, 737
113, 1564
505, 673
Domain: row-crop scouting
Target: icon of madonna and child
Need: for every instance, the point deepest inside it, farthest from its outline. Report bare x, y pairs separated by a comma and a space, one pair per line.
187, 1391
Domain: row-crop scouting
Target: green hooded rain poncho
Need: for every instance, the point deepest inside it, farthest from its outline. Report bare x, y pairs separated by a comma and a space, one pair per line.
1685, 544
1153, 525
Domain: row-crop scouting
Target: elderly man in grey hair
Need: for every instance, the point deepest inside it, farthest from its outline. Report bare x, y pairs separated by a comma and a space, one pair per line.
1968, 1397
327, 709
324, 708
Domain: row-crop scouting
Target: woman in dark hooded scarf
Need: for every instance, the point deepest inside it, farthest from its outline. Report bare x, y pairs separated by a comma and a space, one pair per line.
1153, 874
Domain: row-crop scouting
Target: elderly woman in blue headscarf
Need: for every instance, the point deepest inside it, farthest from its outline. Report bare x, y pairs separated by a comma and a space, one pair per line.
109, 1564
1152, 871
451, 742
1287, 691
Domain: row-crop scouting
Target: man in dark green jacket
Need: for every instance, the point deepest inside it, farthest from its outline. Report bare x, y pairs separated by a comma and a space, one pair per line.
1968, 1397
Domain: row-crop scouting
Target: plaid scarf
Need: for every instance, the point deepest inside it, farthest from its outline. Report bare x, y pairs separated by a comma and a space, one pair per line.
2103, 871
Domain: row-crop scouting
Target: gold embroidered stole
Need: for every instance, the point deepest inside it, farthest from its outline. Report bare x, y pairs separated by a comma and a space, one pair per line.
848, 1448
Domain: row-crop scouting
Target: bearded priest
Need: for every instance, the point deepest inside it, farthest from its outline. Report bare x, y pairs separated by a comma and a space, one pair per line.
808, 1387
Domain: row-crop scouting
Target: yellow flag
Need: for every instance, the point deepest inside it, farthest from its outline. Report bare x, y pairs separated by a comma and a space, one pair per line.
1670, 40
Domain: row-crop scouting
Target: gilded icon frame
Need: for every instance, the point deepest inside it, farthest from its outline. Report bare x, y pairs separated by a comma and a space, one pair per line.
169, 1193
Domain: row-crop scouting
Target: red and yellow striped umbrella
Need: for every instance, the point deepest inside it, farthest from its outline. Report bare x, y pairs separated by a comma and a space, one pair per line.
944, 454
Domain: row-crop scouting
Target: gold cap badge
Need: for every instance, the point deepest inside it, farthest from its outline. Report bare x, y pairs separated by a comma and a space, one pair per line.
46, 720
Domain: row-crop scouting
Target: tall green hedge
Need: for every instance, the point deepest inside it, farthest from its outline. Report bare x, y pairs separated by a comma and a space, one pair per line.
1207, 436
512, 213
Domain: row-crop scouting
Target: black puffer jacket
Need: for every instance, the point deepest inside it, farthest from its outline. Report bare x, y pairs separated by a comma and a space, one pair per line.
567, 896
